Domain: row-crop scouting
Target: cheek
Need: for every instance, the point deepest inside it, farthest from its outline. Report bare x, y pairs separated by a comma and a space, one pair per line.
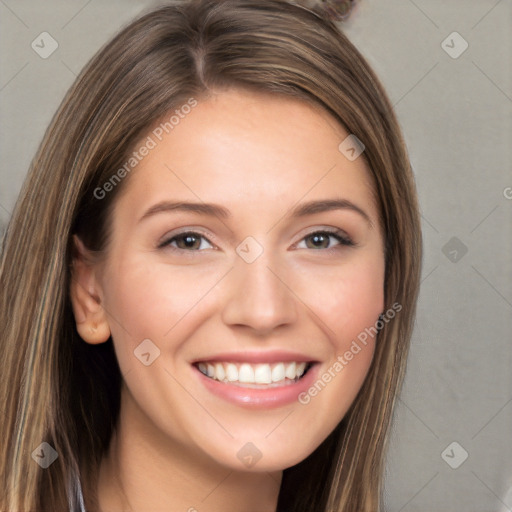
147, 300
349, 306
347, 299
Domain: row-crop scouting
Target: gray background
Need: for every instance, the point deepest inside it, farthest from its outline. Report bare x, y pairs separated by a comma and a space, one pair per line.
456, 117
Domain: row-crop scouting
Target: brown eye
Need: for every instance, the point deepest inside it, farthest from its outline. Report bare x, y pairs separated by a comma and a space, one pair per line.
189, 241
321, 239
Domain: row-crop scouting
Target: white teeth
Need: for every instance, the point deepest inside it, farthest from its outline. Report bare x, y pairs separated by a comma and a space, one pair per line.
300, 369
290, 371
246, 373
219, 371
278, 372
253, 374
231, 372
262, 374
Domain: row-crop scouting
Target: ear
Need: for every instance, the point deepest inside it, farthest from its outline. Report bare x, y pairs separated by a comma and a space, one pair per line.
91, 319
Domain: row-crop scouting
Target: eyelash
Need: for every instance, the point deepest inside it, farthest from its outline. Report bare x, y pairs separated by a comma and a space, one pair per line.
340, 236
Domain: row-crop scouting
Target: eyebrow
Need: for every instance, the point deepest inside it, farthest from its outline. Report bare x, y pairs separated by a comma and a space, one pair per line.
215, 210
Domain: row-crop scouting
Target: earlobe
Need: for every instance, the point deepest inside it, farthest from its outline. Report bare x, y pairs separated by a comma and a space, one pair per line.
90, 316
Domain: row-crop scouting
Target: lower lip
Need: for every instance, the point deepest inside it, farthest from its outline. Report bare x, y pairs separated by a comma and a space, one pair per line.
260, 398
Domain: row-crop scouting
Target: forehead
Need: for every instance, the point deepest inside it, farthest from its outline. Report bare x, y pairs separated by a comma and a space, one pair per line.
249, 150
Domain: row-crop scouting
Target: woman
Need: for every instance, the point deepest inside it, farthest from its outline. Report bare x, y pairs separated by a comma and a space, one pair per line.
176, 335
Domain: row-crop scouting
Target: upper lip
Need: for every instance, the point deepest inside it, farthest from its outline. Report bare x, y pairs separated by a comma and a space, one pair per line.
257, 356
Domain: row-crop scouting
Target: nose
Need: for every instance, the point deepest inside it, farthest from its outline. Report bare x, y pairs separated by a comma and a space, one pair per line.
259, 296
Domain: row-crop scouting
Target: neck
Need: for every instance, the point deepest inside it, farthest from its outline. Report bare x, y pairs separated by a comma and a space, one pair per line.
146, 470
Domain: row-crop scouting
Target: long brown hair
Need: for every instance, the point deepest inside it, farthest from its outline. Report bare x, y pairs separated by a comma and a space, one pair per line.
58, 389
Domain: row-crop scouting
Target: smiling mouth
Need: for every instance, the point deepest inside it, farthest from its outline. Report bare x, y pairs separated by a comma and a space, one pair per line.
256, 376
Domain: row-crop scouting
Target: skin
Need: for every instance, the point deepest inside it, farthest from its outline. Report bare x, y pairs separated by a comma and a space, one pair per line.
257, 155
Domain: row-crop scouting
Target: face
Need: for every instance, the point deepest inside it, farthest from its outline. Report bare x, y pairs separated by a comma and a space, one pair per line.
274, 282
